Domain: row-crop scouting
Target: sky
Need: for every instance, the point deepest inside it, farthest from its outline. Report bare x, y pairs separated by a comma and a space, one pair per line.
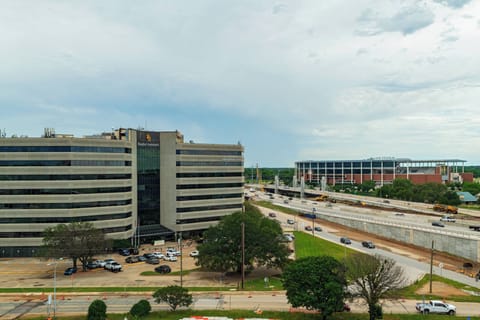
289, 80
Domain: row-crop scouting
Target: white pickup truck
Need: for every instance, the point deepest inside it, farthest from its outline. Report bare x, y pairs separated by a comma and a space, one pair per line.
436, 306
113, 266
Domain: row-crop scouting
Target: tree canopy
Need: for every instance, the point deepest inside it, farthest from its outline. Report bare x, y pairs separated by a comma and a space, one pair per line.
77, 240
221, 248
174, 296
316, 283
373, 277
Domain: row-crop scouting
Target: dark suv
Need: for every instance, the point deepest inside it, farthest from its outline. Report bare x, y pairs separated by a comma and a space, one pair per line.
163, 269
124, 252
70, 271
345, 240
368, 244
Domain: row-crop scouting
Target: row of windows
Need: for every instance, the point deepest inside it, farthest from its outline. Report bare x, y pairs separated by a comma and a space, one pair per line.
210, 196
209, 163
20, 234
209, 208
64, 163
64, 149
209, 174
196, 220
348, 164
66, 219
348, 171
64, 191
208, 185
210, 152
58, 177
70, 205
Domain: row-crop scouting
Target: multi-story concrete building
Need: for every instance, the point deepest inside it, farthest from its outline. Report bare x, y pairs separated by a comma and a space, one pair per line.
382, 171
127, 183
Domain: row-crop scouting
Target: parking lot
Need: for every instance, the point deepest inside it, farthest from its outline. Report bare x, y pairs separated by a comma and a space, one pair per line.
36, 272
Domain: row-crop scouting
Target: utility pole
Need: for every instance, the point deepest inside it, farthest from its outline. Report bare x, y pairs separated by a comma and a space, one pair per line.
181, 259
431, 267
243, 255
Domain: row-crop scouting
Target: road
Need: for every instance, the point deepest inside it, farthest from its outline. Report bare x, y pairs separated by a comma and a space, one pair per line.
277, 301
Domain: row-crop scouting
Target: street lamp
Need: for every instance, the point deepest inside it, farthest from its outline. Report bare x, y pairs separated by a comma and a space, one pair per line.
55, 285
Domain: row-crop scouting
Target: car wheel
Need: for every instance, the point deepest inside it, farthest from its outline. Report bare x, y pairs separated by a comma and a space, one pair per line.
426, 311
451, 313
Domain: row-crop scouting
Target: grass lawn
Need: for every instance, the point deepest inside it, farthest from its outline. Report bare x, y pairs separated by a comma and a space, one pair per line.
306, 246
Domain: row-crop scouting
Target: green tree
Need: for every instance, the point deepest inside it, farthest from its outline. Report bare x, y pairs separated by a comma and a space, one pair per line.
372, 278
315, 283
77, 240
97, 310
174, 296
141, 309
366, 186
472, 187
221, 248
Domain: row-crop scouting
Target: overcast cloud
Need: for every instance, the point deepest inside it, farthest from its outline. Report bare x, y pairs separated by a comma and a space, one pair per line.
290, 80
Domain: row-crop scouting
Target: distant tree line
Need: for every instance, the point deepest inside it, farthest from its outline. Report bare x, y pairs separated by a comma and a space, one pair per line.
473, 169
268, 175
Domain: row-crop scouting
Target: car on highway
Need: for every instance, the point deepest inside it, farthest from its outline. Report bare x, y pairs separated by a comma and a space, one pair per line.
285, 201
194, 253
272, 215
163, 269
368, 244
70, 271
447, 219
345, 240
317, 228
290, 221
438, 224
308, 228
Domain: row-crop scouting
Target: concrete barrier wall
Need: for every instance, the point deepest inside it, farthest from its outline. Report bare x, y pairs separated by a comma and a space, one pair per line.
463, 245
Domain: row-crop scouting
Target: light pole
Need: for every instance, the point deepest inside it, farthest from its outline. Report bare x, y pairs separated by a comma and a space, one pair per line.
181, 259
55, 285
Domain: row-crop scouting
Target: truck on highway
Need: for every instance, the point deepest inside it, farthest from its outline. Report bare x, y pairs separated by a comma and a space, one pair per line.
445, 208
436, 306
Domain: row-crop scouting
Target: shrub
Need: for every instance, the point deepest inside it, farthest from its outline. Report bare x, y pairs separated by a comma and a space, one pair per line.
97, 310
140, 309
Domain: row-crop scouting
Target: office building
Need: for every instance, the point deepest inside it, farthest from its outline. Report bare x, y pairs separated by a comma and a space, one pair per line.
381, 170
129, 183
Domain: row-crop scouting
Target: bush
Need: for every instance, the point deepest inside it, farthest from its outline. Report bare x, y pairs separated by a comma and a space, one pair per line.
97, 310
140, 309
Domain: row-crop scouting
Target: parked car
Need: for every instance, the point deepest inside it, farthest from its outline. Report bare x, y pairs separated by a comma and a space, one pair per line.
171, 258
132, 259
368, 244
124, 252
100, 263
109, 260
287, 238
149, 255
70, 271
113, 266
159, 255
438, 224
319, 229
153, 260
92, 265
163, 269
345, 240
290, 221
141, 258
194, 253
308, 228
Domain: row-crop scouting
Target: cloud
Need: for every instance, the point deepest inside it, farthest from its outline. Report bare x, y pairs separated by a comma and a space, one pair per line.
407, 20
453, 3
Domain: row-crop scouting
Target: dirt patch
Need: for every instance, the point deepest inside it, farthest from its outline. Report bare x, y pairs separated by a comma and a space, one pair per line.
441, 289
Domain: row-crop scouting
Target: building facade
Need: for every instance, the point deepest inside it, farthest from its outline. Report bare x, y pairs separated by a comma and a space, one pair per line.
382, 171
129, 183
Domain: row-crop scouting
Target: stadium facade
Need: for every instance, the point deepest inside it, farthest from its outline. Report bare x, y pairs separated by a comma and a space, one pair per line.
382, 171
129, 183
